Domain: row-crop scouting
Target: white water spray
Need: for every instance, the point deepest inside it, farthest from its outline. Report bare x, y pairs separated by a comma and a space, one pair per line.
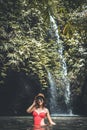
52, 92
55, 34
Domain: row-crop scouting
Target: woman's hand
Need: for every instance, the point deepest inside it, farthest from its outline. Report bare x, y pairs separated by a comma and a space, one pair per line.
34, 103
32, 107
53, 123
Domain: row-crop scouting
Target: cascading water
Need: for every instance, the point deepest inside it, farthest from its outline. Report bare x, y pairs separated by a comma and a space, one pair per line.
52, 92
55, 35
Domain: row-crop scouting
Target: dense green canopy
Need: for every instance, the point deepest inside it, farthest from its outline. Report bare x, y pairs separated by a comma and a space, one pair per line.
25, 43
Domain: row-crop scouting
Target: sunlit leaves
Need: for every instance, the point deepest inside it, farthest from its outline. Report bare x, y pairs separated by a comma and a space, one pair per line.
24, 28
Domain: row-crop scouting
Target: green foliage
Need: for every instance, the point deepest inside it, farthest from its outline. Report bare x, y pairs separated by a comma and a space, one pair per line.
24, 27
23, 30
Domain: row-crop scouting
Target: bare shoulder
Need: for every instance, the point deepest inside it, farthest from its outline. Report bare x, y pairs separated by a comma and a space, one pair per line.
46, 109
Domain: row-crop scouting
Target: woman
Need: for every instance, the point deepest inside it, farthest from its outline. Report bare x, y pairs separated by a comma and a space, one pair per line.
39, 111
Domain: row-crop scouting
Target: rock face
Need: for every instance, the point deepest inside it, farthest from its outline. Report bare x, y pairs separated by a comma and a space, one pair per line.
79, 96
18, 93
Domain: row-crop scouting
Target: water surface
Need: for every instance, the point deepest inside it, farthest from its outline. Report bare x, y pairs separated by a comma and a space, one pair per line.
26, 123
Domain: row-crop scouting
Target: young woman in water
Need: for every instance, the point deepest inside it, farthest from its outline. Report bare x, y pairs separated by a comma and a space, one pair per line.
39, 111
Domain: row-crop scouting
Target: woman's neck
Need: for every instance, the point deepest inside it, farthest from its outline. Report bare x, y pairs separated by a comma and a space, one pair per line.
40, 107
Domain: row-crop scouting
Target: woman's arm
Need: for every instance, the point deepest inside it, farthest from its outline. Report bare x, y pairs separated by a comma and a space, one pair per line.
31, 108
49, 118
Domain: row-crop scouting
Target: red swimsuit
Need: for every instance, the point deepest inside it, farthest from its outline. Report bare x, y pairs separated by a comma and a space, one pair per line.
38, 117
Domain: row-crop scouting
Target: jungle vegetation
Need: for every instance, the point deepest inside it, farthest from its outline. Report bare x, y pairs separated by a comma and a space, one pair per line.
26, 45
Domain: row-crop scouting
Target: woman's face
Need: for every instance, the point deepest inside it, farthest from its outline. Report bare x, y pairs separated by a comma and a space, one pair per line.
40, 101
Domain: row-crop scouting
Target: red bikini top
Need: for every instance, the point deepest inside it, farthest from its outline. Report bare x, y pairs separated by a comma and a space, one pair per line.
41, 114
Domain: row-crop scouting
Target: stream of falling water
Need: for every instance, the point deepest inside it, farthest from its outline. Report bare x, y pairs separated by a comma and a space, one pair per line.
63, 71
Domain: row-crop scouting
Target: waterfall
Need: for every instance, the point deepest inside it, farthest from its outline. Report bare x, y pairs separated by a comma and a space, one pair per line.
52, 93
55, 35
